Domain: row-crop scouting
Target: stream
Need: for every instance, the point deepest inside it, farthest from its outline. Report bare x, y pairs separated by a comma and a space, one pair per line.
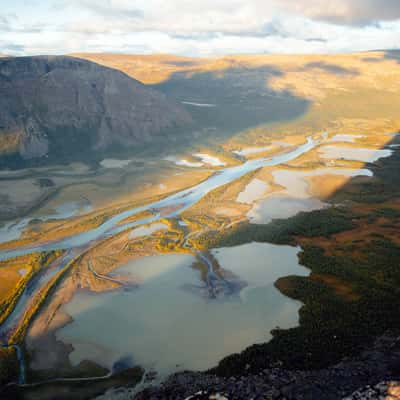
79, 243
180, 201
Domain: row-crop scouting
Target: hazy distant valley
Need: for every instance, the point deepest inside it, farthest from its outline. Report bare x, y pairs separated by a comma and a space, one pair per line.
161, 214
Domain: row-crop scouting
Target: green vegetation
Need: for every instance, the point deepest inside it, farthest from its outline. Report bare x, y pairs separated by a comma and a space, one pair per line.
353, 292
19, 334
331, 326
283, 231
33, 263
8, 365
173, 239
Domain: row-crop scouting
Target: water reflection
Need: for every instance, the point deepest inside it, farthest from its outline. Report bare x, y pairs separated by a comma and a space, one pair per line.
163, 326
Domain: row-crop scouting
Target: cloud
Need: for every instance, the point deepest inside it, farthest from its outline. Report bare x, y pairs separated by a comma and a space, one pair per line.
199, 27
234, 16
4, 23
357, 12
10, 48
109, 8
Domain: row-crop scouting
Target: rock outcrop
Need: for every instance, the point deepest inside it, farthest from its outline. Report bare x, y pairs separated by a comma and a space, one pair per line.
376, 370
57, 106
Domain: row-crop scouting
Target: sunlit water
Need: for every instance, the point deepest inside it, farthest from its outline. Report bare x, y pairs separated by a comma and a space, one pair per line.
356, 154
13, 230
295, 198
253, 191
342, 137
114, 163
180, 201
147, 230
167, 326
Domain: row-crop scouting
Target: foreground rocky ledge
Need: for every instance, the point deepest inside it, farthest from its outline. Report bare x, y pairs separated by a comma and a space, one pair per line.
383, 390
372, 370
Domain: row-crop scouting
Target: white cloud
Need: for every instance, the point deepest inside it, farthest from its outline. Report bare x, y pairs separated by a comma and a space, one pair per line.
200, 27
357, 12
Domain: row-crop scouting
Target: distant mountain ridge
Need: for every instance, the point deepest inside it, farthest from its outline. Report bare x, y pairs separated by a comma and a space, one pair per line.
60, 106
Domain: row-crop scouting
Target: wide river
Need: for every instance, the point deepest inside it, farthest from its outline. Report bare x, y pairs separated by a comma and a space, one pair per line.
168, 323
180, 201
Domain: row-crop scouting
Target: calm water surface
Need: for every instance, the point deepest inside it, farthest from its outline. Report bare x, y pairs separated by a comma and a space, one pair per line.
167, 325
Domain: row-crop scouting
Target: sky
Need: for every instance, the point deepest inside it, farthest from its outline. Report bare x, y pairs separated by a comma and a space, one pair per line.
197, 27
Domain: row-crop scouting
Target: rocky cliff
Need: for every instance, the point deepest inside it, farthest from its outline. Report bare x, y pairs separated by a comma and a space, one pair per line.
375, 369
58, 107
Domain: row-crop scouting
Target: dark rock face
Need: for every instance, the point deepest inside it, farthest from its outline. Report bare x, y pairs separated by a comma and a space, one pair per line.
375, 364
52, 106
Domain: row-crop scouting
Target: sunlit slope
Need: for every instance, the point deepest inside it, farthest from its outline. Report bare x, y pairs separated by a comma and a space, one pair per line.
149, 69
293, 93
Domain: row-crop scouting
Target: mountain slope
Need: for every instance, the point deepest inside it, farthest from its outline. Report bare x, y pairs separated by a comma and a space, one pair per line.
61, 107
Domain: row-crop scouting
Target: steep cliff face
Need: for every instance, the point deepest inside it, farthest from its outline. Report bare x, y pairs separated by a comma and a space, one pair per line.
59, 106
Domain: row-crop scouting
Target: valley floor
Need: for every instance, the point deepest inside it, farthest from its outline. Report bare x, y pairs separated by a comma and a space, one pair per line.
204, 229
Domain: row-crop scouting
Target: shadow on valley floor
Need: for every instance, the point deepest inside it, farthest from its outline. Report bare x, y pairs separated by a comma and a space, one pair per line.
353, 250
221, 102
230, 100
387, 55
353, 292
351, 296
332, 68
392, 55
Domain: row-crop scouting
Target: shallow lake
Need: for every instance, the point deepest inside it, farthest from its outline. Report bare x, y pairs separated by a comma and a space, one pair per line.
183, 162
210, 160
181, 201
252, 150
282, 207
114, 163
356, 154
166, 325
147, 230
295, 198
253, 191
13, 230
345, 138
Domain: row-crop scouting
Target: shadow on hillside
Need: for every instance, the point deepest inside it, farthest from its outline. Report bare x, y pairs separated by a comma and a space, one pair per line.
332, 68
225, 101
387, 55
353, 292
372, 59
392, 55
330, 327
233, 99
